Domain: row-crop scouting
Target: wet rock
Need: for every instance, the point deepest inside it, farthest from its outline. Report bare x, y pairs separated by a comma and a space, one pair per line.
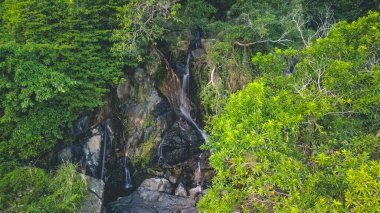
179, 143
134, 125
146, 114
92, 152
181, 191
194, 192
156, 184
71, 153
81, 126
147, 201
93, 199
170, 88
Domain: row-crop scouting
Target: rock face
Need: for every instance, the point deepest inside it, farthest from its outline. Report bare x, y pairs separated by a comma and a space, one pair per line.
194, 192
93, 201
81, 126
144, 143
179, 143
93, 146
146, 114
92, 153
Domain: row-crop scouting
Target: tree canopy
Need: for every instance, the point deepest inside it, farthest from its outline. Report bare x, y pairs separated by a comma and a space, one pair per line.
303, 142
290, 89
55, 61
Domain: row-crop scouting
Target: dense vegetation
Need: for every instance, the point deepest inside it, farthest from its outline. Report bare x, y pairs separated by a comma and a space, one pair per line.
55, 61
30, 189
306, 141
299, 137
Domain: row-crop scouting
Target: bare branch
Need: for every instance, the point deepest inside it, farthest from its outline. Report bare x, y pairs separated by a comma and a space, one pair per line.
299, 25
341, 113
324, 23
282, 40
212, 77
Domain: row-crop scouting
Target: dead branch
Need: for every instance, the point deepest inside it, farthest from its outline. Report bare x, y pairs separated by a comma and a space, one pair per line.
282, 40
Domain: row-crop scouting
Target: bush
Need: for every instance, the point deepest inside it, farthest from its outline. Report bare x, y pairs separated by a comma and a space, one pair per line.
304, 142
30, 189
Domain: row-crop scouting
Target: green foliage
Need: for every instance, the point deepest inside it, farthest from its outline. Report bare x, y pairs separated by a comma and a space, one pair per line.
213, 97
142, 23
55, 60
249, 26
196, 14
363, 184
348, 10
30, 189
304, 142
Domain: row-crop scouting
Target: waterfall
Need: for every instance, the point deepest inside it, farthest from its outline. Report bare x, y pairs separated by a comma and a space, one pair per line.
185, 101
104, 154
185, 108
128, 179
198, 176
160, 152
108, 134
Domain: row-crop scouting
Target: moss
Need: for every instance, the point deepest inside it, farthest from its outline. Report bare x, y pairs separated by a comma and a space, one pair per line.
149, 122
146, 153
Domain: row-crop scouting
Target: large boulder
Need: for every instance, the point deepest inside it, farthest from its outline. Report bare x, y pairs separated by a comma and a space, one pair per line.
146, 201
156, 184
92, 153
93, 201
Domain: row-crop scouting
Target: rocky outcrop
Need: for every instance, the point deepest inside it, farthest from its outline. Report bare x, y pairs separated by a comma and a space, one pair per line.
146, 114
180, 142
151, 202
81, 126
93, 201
170, 88
156, 184
92, 153
144, 143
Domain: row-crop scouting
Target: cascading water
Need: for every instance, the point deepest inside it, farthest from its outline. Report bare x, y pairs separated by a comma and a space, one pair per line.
160, 152
104, 155
128, 179
184, 106
127, 171
108, 138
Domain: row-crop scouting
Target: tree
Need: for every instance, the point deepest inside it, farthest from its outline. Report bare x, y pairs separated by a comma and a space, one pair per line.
303, 142
143, 23
55, 61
